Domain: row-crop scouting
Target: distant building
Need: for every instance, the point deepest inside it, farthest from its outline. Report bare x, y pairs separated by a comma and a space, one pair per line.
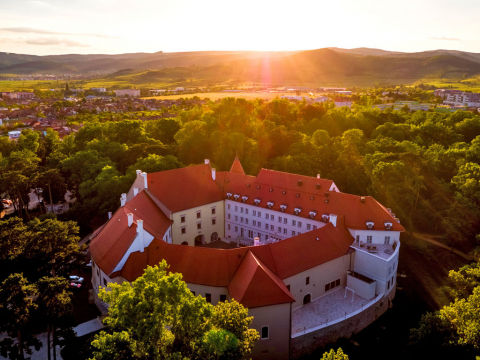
343, 103
18, 95
458, 98
99, 89
14, 134
127, 92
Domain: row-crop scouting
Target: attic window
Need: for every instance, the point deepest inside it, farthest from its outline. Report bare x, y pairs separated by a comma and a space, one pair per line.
236, 196
283, 207
244, 198
257, 201
312, 214
229, 195
327, 194
370, 225
317, 186
388, 225
297, 211
325, 217
299, 182
270, 204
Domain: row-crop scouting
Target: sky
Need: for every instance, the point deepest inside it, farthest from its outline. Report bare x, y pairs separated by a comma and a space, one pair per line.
42, 27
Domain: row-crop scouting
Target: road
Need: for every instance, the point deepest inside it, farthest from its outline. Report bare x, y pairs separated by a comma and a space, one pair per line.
428, 238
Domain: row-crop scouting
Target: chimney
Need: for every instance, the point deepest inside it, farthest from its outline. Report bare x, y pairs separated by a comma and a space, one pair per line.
333, 219
135, 191
123, 199
145, 183
318, 176
207, 161
138, 172
139, 226
214, 174
109, 215
130, 219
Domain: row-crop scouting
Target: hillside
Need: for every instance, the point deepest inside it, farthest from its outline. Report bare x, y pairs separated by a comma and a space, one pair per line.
329, 66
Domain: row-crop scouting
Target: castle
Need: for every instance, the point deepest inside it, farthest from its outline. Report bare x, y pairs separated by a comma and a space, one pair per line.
310, 262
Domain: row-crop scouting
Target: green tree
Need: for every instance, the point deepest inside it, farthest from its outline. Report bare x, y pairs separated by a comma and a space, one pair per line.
335, 355
17, 306
157, 317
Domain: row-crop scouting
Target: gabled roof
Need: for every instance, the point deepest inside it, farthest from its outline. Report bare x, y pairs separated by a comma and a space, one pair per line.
293, 181
184, 188
220, 267
255, 285
237, 166
115, 237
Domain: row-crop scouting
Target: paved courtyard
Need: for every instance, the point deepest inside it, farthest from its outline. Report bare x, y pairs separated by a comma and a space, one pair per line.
330, 307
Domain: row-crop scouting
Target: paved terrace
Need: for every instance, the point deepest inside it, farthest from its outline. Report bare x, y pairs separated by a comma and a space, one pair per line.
327, 310
381, 250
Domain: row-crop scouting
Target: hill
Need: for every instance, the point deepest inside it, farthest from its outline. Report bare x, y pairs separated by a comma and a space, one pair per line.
328, 66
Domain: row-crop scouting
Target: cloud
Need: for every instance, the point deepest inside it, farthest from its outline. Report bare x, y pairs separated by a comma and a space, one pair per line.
28, 30
55, 41
444, 38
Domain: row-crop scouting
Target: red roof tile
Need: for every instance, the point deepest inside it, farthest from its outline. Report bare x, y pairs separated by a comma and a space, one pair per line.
185, 188
110, 243
255, 285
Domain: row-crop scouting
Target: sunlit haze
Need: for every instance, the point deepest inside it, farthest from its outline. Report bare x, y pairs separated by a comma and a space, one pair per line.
121, 26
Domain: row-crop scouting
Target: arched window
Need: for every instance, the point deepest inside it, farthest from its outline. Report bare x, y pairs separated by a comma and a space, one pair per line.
306, 299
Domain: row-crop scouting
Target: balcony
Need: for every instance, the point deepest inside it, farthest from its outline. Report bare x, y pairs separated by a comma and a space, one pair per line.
383, 251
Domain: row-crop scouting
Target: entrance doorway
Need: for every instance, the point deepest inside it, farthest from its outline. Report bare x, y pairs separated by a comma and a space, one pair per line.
214, 237
306, 299
199, 240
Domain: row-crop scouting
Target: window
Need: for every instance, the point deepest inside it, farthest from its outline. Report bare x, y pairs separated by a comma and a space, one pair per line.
241, 219
279, 229
259, 224
279, 219
284, 220
271, 228
357, 238
314, 227
208, 297
288, 287
236, 228
266, 226
182, 218
246, 220
228, 206
387, 240
259, 214
228, 226
299, 224
199, 226
198, 214
272, 217
307, 280
236, 218
104, 281
254, 212
213, 211
285, 231
228, 216
266, 216
369, 239
332, 285
236, 208
309, 226
264, 332
183, 230
306, 299
254, 222
250, 234
246, 211
223, 297
214, 221
294, 222
241, 210
294, 233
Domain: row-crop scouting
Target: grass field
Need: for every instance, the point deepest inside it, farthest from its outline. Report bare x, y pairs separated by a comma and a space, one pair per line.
471, 84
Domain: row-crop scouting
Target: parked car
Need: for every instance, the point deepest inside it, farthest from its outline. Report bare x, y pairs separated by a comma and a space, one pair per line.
7, 202
76, 278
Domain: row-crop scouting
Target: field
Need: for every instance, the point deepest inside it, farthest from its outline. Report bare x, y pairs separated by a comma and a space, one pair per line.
221, 95
470, 84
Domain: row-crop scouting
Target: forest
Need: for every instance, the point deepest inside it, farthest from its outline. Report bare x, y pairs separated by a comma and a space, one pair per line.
424, 165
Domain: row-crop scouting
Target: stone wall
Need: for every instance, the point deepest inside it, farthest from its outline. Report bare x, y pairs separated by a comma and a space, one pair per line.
306, 344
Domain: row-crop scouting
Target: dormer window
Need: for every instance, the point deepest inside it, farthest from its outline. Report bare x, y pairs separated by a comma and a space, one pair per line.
312, 214
257, 201
244, 198
388, 225
370, 225
236, 196
270, 204
283, 207
297, 210
229, 195
325, 217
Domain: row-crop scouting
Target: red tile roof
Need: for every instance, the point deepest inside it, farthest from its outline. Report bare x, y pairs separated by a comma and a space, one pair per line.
184, 188
220, 267
237, 166
115, 237
255, 285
